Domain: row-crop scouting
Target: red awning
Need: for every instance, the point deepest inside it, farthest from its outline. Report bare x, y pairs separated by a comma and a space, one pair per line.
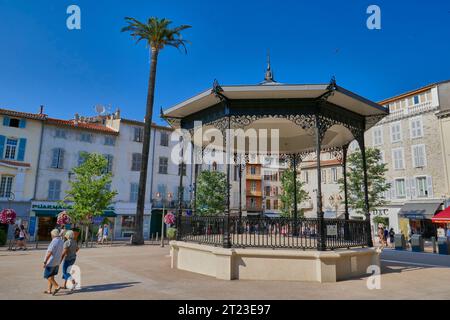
442, 217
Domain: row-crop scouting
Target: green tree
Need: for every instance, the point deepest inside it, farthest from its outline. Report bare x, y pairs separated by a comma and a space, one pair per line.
287, 193
88, 191
376, 179
157, 34
211, 193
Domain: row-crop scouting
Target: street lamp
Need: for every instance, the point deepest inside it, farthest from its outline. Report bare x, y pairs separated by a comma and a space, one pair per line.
160, 197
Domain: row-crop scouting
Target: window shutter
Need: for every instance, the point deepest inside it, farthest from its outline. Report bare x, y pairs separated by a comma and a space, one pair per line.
393, 186
61, 159
413, 188
408, 188
186, 194
2, 146
54, 163
6, 121
110, 163
430, 186
22, 123
424, 155
22, 145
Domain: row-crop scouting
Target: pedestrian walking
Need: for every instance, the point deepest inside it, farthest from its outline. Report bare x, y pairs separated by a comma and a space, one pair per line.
105, 234
62, 232
69, 256
16, 237
99, 234
52, 261
23, 235
392, 236
386, 235
381, 235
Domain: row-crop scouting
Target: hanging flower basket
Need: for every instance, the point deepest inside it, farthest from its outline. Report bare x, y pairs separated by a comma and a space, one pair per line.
169, 219
63, 219
8, 216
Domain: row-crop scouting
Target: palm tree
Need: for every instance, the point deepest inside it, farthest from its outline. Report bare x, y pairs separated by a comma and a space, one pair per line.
157, 34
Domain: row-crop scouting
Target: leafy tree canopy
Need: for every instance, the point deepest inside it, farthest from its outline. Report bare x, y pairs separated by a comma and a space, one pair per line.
89, 191
287, 193
211, 193
377, 184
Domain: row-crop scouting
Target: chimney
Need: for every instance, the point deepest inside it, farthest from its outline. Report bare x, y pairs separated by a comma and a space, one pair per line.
41, 110
77, 118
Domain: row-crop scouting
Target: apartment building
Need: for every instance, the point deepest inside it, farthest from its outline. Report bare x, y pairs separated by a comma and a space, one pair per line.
20, 142
63, 144
332, 198
38, 154
412, 143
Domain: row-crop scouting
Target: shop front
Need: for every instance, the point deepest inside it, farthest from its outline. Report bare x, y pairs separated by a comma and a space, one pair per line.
416, 218
22, 210
44, 214
126, 218
442, 221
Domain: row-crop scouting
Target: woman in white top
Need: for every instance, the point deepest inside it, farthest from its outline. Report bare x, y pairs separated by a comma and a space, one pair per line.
100, 235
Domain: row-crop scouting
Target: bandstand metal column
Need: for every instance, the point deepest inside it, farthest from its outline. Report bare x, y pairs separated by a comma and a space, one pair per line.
321, 241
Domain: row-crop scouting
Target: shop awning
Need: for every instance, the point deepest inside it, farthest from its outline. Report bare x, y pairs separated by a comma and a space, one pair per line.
419, 211
55, 212
442, 217
272, 215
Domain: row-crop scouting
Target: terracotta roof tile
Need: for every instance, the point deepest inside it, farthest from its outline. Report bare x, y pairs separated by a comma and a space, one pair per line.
323, 163
34, 116
82, 125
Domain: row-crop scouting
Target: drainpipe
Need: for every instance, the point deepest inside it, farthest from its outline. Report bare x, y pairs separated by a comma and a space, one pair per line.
39, 160
37, 176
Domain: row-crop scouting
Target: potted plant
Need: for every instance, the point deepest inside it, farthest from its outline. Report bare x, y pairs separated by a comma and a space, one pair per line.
171, 233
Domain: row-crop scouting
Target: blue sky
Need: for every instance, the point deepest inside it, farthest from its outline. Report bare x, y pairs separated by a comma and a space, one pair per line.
42, 62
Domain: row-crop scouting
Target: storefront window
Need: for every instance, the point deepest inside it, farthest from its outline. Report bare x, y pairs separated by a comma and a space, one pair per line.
127, 226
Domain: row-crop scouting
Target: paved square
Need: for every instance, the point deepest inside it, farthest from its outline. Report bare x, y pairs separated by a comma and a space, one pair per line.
125, 272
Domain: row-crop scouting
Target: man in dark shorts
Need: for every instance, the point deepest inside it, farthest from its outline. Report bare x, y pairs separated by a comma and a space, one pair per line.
52, 261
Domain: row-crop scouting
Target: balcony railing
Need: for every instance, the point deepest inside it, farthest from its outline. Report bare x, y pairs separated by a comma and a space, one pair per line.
411, 110
254, 193
253, 176
285, 233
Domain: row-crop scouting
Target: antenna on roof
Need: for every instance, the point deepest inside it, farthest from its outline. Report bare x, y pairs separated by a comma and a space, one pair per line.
100, 109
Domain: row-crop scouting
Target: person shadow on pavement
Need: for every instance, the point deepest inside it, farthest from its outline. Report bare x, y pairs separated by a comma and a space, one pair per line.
104, 287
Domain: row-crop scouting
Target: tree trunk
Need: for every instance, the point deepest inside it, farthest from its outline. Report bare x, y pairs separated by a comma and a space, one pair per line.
86, 235
138, 237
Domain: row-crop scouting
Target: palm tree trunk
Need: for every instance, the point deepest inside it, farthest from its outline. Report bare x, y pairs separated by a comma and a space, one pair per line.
138, 237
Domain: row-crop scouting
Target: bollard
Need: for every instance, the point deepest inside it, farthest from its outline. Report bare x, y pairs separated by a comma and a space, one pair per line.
399, 242
443, 245
417, 243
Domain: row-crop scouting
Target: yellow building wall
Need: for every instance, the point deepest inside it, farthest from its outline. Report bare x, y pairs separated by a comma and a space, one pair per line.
31, 132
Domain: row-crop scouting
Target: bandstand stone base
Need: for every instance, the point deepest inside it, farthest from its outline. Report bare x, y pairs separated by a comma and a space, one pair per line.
268, 264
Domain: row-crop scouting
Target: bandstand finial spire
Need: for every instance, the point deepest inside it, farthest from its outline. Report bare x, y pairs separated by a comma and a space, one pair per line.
269, 74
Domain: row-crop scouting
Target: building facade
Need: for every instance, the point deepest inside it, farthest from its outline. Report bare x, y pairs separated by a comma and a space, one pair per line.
20, 143
411, 145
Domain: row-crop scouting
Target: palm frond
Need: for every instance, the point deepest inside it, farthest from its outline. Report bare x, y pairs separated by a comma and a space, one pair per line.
156, 32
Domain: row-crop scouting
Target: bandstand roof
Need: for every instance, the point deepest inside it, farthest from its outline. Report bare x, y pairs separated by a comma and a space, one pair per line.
342, 97
279, 106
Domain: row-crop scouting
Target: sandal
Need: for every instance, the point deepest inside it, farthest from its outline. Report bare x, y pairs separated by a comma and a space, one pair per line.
56, 291
47, 292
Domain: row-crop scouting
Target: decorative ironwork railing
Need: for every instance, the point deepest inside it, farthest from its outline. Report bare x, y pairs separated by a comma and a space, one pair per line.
286, 233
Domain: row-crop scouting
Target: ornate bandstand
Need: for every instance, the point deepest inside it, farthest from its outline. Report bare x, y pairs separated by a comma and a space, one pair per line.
309, 118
